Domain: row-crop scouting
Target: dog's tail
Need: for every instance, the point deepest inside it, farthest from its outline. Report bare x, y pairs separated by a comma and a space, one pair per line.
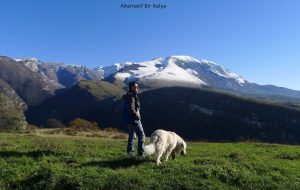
150, 149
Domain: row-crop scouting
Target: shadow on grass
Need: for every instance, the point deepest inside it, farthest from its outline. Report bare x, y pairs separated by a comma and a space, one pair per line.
36, 181
41, 180
119, 163
32, 154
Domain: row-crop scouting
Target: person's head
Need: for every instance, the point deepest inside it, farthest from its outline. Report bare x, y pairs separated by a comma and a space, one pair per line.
133, 87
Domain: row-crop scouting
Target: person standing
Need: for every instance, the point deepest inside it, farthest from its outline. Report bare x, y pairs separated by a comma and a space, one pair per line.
132, 118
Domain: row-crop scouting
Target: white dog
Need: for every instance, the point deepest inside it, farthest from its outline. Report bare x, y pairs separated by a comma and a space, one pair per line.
165, 142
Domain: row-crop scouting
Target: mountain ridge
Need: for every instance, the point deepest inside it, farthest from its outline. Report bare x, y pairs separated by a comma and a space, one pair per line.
176, 70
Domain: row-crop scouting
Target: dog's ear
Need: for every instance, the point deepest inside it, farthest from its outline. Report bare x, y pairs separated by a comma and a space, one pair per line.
184, 141
181, 142
178, 145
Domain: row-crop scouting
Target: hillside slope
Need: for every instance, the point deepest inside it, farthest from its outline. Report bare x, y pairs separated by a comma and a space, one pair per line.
193, 112
11, 115
30, 86
79, 99
8, 91
209, 115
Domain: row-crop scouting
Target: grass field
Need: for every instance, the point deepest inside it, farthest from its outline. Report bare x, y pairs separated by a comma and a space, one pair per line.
52, 161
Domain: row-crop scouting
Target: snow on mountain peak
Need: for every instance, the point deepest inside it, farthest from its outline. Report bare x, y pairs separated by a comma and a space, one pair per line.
189, 63
181, 68
184, 58
110, 70
159, 69
224, 72
28, 59
178, 68
30, 62
119, 66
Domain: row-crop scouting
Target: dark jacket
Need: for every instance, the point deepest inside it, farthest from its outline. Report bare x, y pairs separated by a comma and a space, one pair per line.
131, 107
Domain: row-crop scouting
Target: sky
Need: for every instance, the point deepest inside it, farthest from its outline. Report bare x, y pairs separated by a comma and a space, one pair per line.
257, 39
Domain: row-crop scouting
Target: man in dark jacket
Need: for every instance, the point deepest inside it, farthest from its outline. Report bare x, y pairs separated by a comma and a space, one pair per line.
132, 118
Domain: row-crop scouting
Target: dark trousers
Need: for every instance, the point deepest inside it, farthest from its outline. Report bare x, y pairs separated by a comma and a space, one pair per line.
137, 128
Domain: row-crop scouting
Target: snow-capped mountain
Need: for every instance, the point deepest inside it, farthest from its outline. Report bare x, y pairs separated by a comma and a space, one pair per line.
109, 70
176, 69
188, 71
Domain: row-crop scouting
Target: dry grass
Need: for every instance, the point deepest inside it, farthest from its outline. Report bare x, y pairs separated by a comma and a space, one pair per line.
110, 133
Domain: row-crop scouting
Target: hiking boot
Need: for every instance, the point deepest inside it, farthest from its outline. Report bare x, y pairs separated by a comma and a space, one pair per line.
141, 157
130, 154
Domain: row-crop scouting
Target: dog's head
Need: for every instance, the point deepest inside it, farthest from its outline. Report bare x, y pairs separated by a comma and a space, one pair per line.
183, 147
180, 147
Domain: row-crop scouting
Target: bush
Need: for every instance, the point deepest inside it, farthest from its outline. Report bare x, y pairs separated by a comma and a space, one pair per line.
84, 125
110, 129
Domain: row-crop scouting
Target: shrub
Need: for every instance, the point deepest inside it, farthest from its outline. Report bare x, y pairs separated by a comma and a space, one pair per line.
110, 129
81, 124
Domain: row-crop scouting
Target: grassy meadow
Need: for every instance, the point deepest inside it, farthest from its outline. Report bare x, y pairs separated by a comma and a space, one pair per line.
51, 160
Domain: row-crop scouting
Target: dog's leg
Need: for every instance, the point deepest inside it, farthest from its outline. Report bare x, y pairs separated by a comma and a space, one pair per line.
158, 156
173, 154
169, 151
168, 154
159, 152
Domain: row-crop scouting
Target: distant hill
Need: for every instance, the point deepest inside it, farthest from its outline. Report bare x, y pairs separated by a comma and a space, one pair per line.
79, 99
208, 115
194, 113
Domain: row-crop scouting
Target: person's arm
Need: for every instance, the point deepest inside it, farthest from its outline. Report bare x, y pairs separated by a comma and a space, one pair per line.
131, 107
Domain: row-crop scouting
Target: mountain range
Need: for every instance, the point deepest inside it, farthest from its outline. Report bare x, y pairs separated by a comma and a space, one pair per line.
208, 97
158, 72
188, 71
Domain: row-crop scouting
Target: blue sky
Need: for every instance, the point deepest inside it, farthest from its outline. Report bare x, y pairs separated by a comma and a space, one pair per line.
258, 39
